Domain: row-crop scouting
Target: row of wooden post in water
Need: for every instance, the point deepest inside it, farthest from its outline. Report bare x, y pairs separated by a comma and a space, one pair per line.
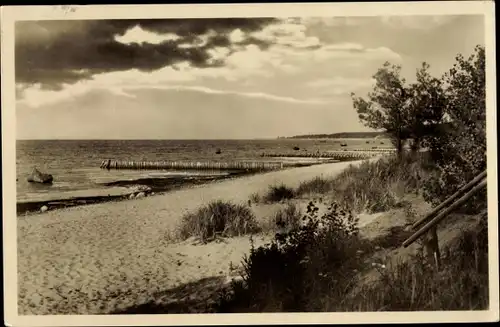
198, 165
238, 165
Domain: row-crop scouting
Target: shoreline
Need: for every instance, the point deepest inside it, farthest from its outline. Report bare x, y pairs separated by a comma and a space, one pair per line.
118, 254
154, 186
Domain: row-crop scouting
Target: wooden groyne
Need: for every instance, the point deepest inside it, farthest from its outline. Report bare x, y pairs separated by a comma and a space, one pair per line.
191, 165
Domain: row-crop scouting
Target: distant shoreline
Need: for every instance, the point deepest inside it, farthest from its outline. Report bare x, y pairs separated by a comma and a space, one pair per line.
343, 135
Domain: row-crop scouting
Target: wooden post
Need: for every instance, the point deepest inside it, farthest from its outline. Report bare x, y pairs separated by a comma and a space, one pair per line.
431, 244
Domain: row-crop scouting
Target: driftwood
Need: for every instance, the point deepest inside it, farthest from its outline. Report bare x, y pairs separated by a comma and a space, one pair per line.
37, 176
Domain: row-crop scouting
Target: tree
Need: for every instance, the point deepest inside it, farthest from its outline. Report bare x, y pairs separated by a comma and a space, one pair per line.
405, 112
464, 140
426, 106
386, 105
459, 151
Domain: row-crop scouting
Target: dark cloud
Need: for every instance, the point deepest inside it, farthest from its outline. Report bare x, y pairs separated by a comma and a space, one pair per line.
56, 52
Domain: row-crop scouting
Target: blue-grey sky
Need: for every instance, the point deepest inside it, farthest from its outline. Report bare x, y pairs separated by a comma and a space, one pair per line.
242, 78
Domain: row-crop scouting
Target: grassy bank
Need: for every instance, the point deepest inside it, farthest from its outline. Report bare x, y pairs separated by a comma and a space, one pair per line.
323, 263
322, 258
369, 187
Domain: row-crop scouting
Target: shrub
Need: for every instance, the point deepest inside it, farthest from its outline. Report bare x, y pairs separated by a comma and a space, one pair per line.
314, 268
278, 193
297, 266
218, 218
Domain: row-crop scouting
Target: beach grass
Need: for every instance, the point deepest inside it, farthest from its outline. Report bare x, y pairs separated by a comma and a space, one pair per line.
287, 218
277, 193
372, 186
218, 218
255, 197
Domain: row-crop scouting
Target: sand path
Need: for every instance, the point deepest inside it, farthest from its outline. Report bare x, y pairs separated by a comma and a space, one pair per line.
104, 257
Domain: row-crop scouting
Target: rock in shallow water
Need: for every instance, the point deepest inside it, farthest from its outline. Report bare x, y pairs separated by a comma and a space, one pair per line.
140, 195
143, 188
37, 176
44, 208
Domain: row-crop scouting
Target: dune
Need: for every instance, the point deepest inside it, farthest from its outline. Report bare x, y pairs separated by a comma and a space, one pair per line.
105, 257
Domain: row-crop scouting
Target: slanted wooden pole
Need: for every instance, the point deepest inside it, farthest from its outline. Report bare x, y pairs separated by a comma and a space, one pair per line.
452, 198
444, 213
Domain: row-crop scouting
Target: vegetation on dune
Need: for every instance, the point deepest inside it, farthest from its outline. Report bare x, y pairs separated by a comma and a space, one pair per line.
447, 116
218, 218
285, 219
317, 185
316, 266
287, 274
462, 284
255, 198
316, 261
277, 193
372, 186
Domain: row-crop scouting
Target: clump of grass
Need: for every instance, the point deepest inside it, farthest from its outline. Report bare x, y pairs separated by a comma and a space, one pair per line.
317, 185
218, 218
255, 198
277, 193
285, 219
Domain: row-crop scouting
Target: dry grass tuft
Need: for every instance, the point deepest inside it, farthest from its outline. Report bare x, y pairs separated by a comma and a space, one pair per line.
218, 218
277, 193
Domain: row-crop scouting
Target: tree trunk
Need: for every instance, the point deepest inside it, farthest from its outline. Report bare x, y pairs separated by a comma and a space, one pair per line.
399, 146
415, 146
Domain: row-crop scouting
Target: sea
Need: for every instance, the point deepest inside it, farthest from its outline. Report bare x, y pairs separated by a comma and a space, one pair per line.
75, 164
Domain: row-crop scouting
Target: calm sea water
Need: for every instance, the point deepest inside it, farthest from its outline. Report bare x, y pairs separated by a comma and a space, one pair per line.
75, 163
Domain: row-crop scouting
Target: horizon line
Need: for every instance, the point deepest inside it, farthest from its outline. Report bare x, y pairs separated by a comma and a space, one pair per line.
185, 139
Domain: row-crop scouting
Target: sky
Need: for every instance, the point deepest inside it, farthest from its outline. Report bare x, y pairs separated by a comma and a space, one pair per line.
217, 78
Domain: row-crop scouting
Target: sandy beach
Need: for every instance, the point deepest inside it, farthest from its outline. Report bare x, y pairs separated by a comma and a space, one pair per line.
105, 257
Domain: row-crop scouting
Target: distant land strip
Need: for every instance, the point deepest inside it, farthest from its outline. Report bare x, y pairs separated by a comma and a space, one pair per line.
344, 135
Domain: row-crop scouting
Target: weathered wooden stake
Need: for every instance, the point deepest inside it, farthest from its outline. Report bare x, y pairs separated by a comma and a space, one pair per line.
432, 248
